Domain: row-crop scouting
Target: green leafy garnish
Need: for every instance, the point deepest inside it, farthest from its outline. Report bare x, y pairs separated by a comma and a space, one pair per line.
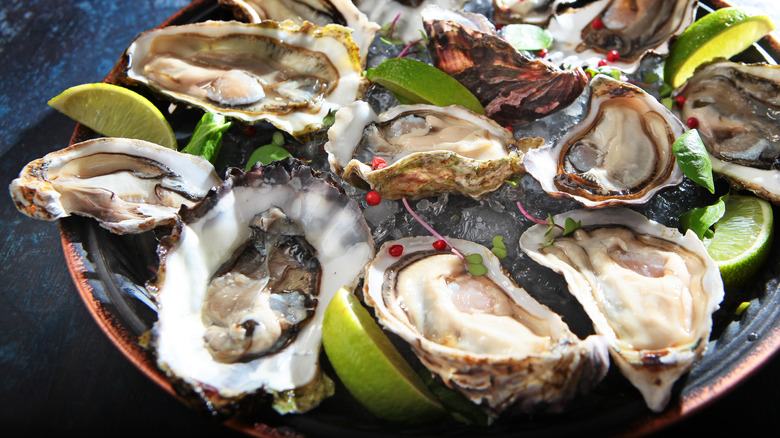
693, 159
527, 36
651, 77
499, 249
475, 266
741, 308
699, 220
206, 141
269, 153
329, 119
569, 226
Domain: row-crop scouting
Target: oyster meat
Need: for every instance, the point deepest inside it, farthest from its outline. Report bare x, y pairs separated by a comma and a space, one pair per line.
737, 107
513, 88
428, 150
635, 28
404, 15
127, 185
244, 280
319, 12
286, 74
536, 12
481, 335
649, 290
620, 153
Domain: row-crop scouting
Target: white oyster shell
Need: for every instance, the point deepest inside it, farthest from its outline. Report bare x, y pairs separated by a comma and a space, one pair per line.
333, 225
619, 154
289, 75
405, 15
127, 185
635, 28
736, 107
482, 335
428, 150
649, 290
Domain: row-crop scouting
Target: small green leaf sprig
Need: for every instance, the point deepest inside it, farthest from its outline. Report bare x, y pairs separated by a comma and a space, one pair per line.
206, 140
569, 225
271, 152
693, 159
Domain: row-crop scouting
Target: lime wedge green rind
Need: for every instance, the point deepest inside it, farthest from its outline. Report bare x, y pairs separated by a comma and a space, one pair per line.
115, 111
723, 33
370, 366
413, 81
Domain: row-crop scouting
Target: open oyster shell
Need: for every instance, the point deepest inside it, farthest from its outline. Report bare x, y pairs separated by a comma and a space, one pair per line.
620, 153
481, 335
635, 28
319, 12
127, 185
649, 290
428, 150
536, 12
736, 106
289, 75
256, 261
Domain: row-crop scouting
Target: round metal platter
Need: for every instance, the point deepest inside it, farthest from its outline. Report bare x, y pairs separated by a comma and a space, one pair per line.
110, 270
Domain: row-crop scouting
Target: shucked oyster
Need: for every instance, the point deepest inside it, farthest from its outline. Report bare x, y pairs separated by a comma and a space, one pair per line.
243, 283
481, 335
620, 153
635, 28
513, 88
127, 185
319, 12
525, 11
289, 75
428, 150
649, 290
737, 107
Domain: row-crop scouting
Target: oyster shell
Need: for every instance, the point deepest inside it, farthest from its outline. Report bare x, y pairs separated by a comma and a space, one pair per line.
286, 74
482, 335
737, 106
635, 28
649, 290
319, 12
243, 283
513, 88
536, 12
405, 14
620, 153
127, 185
428, 149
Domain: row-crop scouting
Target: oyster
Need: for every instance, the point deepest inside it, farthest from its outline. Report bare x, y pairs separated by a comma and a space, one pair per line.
243, 283
127, 185
404, 15
635, 28
289, 75
319, 12
428, 150
620, 153
481, 335
513, 88
737, 106
649, 290
525, 11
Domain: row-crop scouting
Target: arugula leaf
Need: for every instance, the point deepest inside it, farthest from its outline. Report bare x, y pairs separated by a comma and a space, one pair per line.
206, 141
693, 159
699, 220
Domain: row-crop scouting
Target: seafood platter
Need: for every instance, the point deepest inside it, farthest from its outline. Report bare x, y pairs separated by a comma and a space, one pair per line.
213, 277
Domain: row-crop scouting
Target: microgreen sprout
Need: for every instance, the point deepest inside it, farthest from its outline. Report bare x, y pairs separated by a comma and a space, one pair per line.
569, 225
430, 229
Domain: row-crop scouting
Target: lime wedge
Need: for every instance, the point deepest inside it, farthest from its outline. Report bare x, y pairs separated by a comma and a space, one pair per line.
723, 33
115, 111
413, 81
743, 237
371, 368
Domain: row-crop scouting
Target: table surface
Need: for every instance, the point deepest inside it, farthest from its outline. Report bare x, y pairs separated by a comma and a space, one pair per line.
59, 371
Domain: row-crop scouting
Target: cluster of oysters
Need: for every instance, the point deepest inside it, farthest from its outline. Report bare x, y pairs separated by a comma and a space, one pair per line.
248, 262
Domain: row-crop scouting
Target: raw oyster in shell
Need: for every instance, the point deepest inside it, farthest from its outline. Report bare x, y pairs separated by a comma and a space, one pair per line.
620, 153
127, 185
635, 28
319, 12
536, 12
737, 107
428, 150
289, 75
244, 280
481, 335
649, 290
513, 88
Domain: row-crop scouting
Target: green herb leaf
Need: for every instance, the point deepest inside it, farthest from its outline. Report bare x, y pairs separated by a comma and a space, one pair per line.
266, 154
474, 258
499, 252
665, 90
527, 37
329, 119
498, 242
551, 225
699, 220
477, 269
571, 226
206, 141
693, 159
651, 77
668, 102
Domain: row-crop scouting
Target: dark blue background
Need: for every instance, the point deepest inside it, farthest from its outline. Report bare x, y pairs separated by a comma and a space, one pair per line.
58, 371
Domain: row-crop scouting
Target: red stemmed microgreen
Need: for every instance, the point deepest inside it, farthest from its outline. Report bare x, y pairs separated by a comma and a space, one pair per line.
569, 226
